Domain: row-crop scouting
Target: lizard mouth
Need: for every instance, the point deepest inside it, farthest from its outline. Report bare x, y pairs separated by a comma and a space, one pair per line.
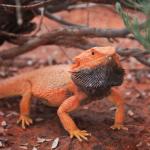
98, 80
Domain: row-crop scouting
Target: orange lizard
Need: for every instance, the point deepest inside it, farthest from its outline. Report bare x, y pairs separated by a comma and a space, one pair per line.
92, 75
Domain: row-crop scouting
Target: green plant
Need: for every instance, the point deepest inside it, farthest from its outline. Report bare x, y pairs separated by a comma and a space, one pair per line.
141, 32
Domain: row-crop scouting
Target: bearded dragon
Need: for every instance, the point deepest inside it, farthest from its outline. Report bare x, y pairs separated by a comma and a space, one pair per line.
93, 75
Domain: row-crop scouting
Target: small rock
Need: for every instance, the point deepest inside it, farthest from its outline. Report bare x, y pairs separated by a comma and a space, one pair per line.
148, 144
1, 113
113, 108
85, 107
128, 93
1, 144
39, 119
3, 124
129, 77
143, 93
3, 74
55, 143
130, 113
34, 148
30, 62
24, 144
139, 144
23, 147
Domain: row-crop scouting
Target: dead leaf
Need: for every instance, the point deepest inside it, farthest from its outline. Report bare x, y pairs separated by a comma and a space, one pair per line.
48, 140
39, 119
12, 113
23, 147
55, 143
40, 140
130, 113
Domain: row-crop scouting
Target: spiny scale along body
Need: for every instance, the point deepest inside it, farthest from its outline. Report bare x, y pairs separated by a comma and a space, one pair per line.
92, 75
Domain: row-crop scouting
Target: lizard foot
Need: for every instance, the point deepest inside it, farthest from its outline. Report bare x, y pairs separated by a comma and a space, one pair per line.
80, 134
118, 127
25, 121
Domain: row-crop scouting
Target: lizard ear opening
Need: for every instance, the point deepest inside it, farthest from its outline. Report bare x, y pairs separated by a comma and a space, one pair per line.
75, 65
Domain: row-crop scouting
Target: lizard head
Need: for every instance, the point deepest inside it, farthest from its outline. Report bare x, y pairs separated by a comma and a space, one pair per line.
97, 69
94, 57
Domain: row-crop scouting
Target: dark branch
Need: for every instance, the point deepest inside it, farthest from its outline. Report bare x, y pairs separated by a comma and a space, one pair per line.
59, 20
60, 35
74, 37
143, 57
55, 5
59, 38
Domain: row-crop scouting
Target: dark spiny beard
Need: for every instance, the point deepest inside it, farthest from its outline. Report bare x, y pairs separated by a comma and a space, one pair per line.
97, 82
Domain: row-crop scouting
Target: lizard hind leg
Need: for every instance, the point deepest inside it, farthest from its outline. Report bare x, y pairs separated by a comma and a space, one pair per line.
24, 118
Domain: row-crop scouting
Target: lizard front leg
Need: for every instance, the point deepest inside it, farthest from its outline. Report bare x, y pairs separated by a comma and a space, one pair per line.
67, 106
119, 114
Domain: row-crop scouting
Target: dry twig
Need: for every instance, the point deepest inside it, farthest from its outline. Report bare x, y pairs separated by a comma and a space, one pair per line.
30, 6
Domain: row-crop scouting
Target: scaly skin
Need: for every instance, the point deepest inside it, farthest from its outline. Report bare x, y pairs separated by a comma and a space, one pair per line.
54, 84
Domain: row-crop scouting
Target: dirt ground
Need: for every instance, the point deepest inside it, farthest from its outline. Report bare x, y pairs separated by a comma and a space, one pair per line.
96, 117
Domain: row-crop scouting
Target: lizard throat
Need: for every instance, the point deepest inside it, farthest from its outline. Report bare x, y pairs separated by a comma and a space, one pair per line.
97, 81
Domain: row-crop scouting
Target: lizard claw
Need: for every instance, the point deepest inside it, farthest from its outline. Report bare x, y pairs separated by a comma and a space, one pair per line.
80, 134
118, 127
25, 121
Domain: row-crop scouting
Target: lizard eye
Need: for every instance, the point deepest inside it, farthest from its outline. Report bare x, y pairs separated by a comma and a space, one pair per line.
93, 53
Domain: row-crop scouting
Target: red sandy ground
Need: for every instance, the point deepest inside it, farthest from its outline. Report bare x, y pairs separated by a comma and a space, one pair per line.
96, 117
